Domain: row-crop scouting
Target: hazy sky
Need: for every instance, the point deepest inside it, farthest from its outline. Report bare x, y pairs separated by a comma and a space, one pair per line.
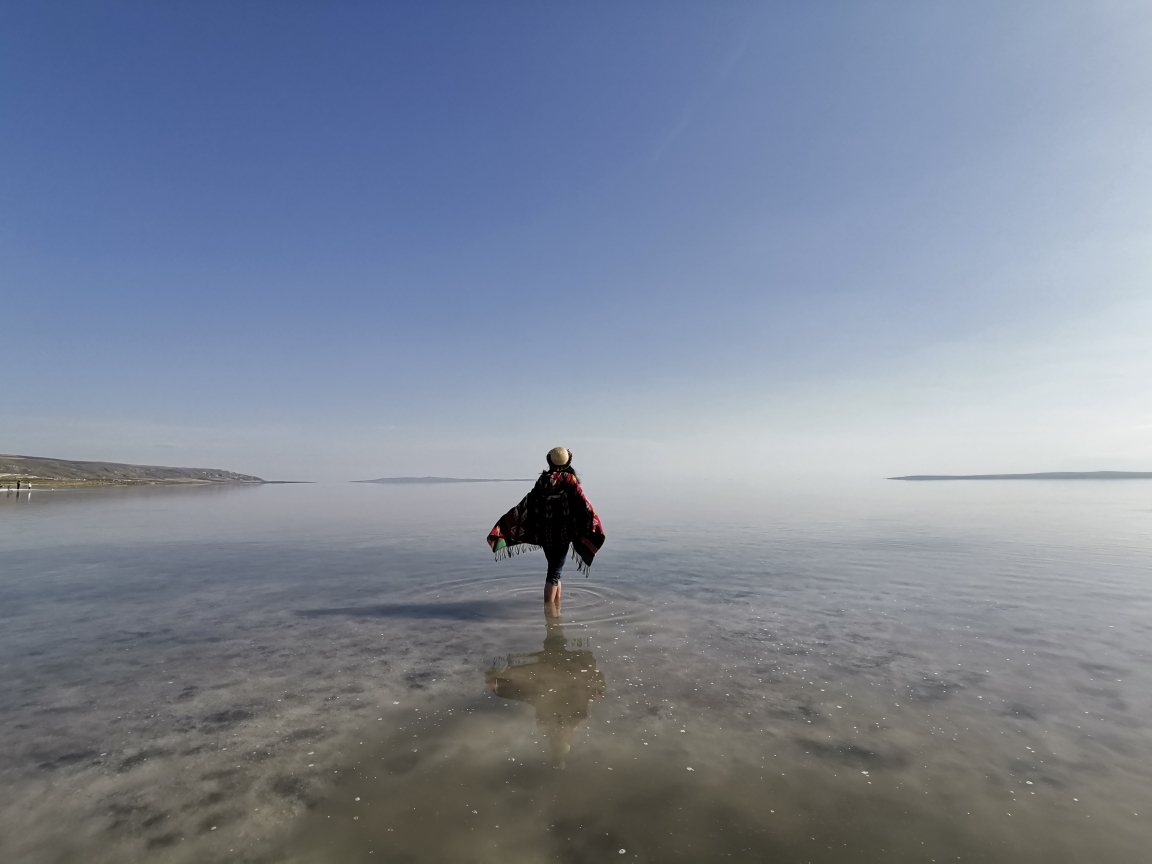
358, 239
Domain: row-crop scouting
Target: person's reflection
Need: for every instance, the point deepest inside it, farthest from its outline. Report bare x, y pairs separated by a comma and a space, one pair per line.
560, 684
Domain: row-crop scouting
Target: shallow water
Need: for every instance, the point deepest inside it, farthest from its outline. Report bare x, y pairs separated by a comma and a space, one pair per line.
870, 672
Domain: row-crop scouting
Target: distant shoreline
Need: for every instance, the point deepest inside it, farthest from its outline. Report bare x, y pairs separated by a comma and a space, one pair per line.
40, 484
1046, 475
72, 473
435, 480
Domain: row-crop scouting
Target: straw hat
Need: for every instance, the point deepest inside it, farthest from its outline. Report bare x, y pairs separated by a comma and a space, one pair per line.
559, 457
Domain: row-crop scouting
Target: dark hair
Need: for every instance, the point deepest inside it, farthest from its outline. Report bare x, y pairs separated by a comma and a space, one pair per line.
566, 469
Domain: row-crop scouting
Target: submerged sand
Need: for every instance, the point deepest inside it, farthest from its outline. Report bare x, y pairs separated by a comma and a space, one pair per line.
273, 694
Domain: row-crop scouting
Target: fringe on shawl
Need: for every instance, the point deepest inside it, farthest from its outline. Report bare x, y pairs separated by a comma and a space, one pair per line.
581, 565
506, 552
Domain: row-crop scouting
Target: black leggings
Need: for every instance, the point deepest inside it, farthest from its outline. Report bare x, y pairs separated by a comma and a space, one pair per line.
555, 553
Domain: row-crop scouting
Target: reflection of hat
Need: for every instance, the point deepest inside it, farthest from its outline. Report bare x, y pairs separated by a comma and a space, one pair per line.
559, 457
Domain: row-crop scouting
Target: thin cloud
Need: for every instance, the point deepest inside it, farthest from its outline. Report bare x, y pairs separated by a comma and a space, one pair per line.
693, 104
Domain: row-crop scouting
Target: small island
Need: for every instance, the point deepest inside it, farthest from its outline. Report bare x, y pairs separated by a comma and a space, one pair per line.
37, 471
1046, 475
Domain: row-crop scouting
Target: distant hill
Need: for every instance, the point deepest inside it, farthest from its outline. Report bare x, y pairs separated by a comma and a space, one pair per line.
402, 480
71, 473
1047, 475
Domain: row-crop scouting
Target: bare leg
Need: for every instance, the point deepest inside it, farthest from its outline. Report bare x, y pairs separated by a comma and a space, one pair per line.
551, 592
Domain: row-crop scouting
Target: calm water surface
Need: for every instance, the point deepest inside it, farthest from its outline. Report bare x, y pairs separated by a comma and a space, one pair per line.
804, 673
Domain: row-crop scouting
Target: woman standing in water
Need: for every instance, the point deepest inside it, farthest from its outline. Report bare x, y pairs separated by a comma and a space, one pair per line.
554, 516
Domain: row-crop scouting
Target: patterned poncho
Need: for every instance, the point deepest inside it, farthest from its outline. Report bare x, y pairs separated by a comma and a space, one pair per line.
554, 511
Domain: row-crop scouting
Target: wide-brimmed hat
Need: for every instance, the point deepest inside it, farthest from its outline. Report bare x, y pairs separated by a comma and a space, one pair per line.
559, 457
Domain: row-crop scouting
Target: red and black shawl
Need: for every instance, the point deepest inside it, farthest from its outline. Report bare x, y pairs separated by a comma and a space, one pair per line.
555, 511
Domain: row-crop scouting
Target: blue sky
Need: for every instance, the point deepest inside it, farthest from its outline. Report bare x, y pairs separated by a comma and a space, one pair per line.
354, 239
